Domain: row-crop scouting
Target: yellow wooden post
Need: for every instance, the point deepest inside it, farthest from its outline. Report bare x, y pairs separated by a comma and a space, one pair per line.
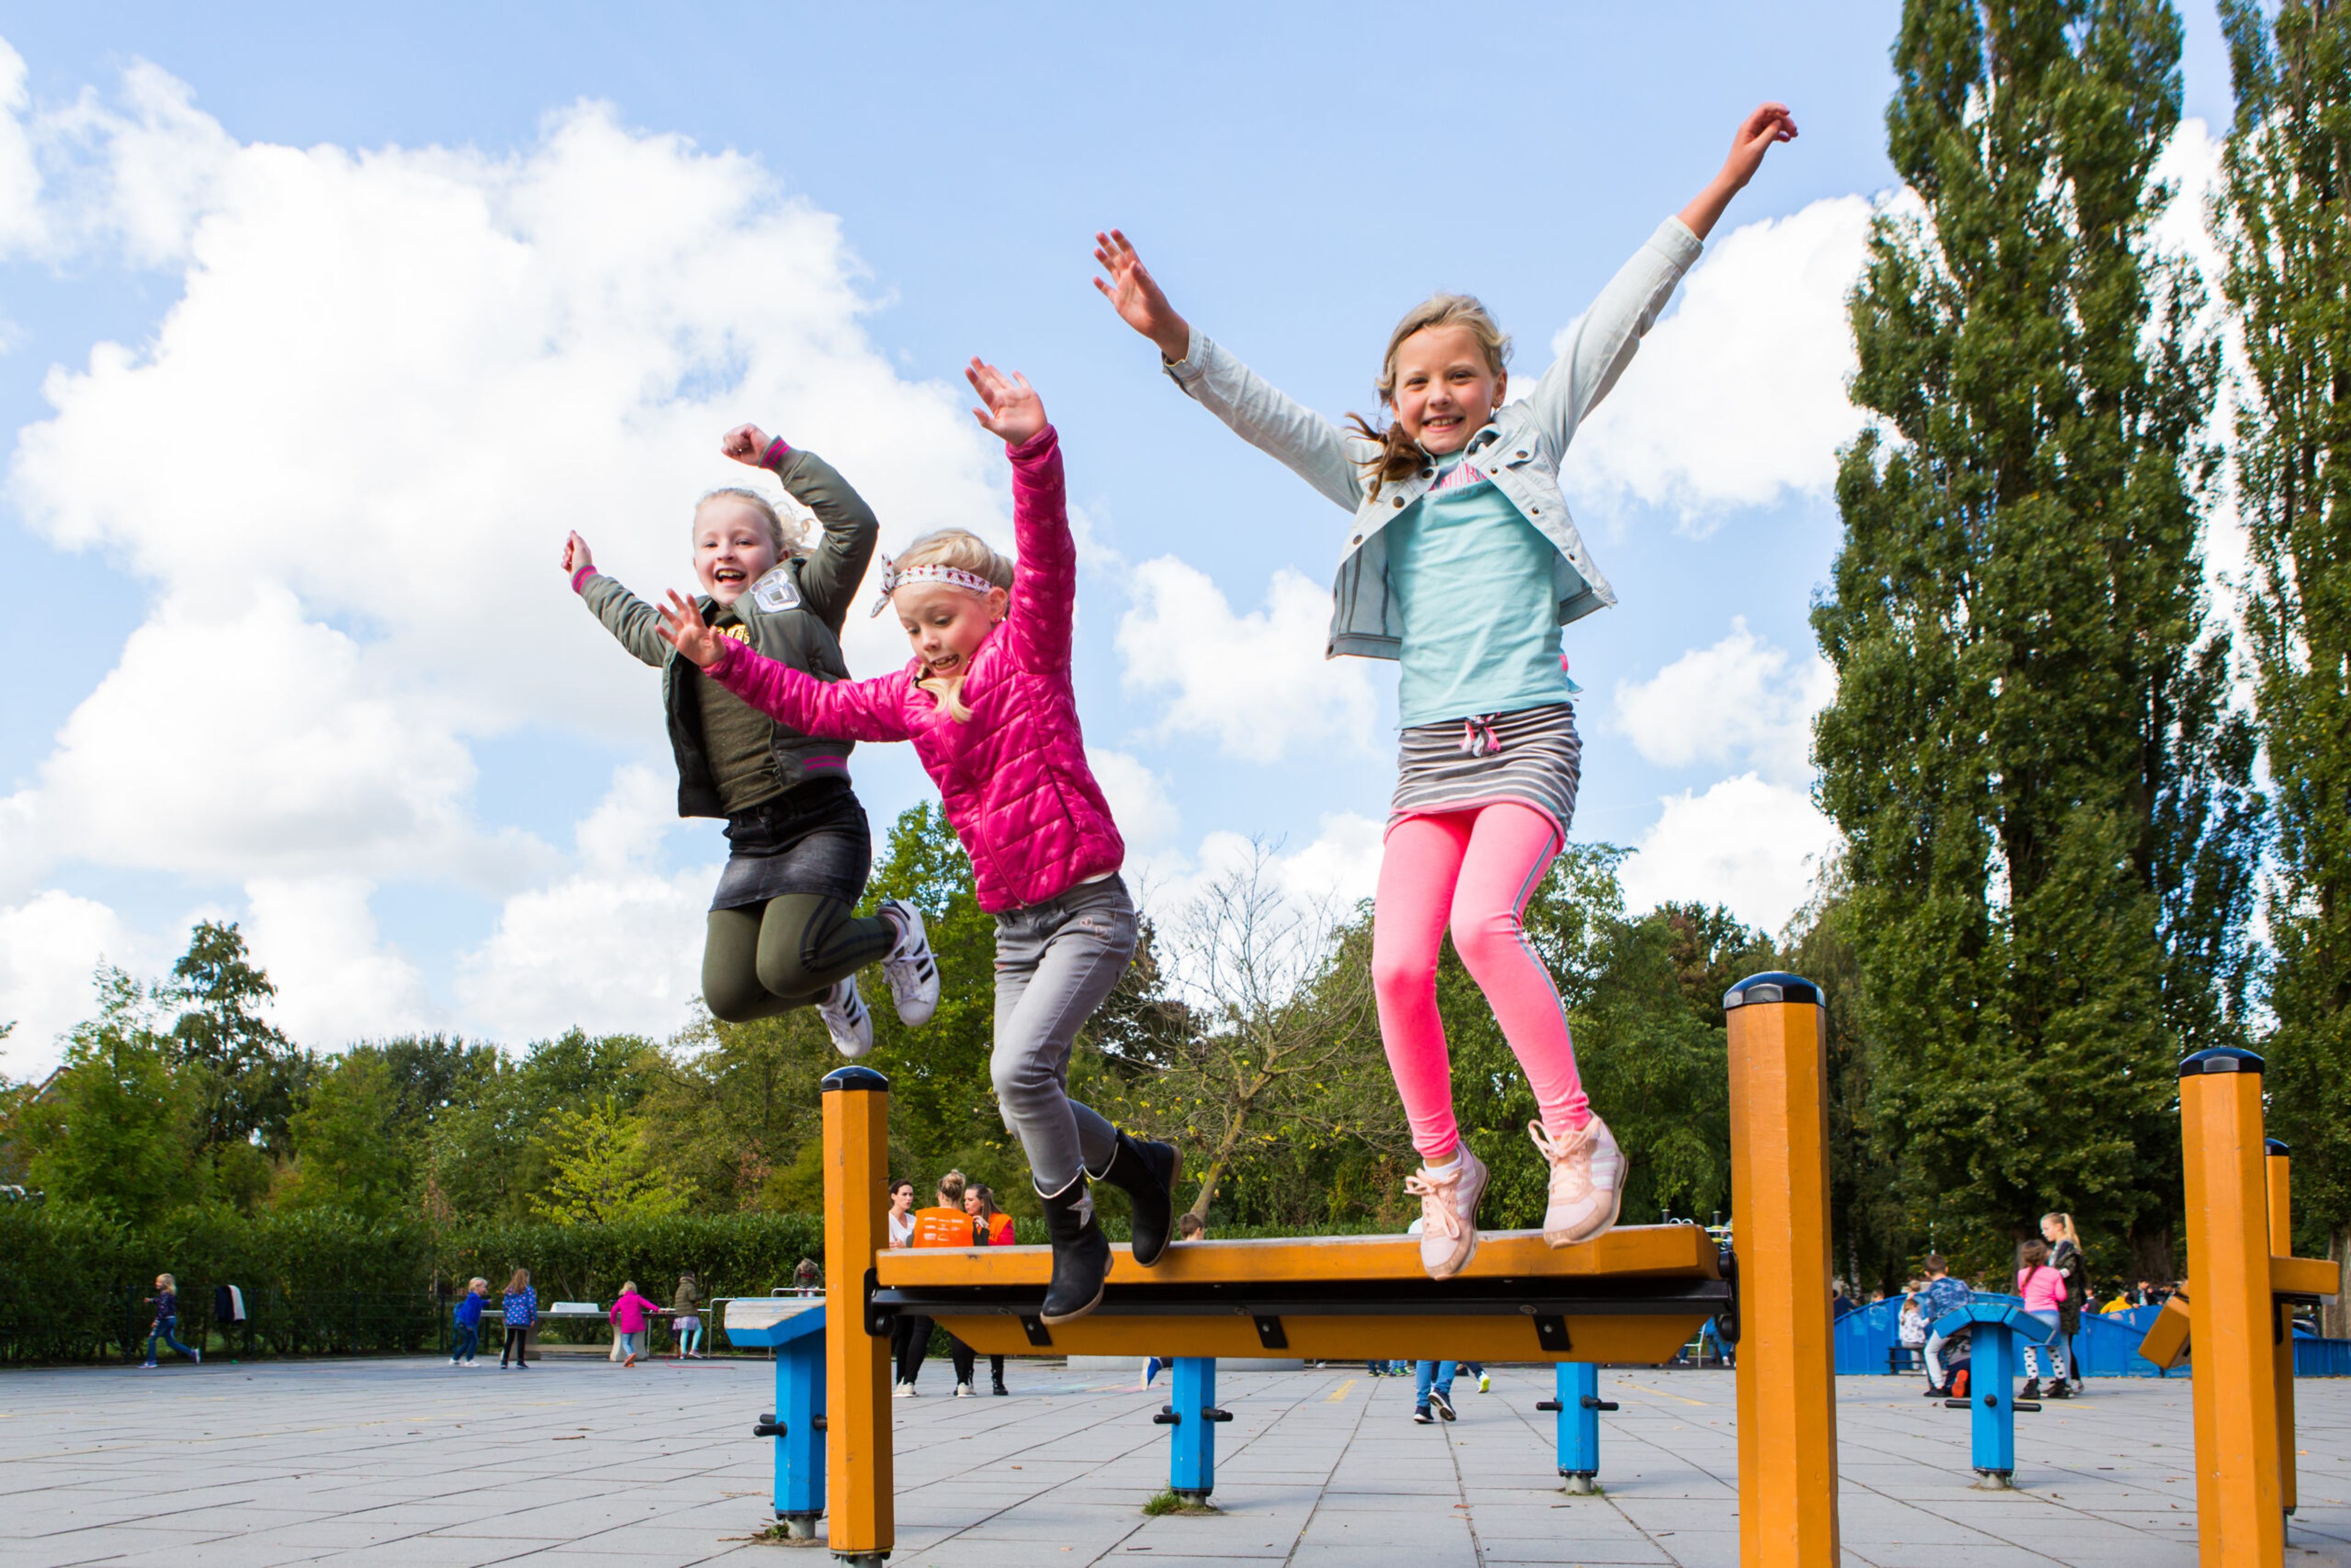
1780, 1231
862, 1524
2280, 1188
2239, 1521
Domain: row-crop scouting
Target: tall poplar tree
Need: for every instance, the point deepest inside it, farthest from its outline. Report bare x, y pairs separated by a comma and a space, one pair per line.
2284, 224
2045, 800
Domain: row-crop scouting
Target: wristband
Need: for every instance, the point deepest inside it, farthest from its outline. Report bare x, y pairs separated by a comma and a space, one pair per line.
579, 578
778, 450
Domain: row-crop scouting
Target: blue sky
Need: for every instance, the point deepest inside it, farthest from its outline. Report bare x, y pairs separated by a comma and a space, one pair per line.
295, 435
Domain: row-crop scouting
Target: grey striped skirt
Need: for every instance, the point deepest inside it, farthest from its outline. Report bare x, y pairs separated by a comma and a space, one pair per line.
1533, 757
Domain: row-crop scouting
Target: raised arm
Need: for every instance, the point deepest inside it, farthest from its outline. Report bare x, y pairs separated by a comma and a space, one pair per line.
1314, 448
834, 710
634, 622
829, 577
1045, 582
1607, 334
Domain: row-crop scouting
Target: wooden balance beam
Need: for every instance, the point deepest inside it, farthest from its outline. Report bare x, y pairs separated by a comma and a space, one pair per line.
1636, 1294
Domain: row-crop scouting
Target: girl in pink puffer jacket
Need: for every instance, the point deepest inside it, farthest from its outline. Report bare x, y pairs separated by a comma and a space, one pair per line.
986, 701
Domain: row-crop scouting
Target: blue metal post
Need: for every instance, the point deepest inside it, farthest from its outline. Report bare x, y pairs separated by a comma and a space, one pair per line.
1578, 1383
1991, 1400
800, 1449
1192, 1450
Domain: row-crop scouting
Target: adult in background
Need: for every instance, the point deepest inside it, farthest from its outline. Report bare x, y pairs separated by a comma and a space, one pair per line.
1942, 1296
2065, 1256
995, 1230
944, 1224
901, 1234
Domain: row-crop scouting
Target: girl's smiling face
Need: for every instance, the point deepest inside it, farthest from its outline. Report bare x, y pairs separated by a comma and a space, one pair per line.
733, 548
1445, 389
946, 624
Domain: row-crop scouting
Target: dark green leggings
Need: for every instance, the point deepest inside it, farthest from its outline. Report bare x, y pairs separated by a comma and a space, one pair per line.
769, 958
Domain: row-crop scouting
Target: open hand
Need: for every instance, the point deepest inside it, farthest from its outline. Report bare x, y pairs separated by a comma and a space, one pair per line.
746, 443
1136, 296
575, 555
684, 629
1015, 413
1769, 123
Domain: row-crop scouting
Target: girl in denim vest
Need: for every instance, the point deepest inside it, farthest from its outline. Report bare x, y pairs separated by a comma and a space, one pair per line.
783, 930
986, 701
1462, 564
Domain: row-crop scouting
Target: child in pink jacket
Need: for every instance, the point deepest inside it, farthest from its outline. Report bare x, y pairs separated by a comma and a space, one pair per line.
2043, 1287
988, 702
630, 1313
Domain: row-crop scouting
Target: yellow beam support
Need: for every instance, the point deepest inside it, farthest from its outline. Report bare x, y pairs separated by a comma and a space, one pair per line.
2280, 1169
2305, 1276
1669, 1252
858, 1470
2166, 1340
1645, 1338
1780, 1211
2239, 1518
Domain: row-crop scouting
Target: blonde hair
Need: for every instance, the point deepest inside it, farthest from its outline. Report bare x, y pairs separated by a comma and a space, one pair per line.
1399, 453
966, 551
167, 1282
789, 538
2064, 1224
627, 1286
477, 1283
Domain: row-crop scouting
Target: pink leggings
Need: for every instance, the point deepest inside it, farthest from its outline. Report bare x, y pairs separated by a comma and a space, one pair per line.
1476, 868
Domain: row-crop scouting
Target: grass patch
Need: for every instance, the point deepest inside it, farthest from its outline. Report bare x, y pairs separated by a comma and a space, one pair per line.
1168, 1502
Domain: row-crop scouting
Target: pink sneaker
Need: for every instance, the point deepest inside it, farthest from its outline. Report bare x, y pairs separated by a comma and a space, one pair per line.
1587, 1182
1448, 1213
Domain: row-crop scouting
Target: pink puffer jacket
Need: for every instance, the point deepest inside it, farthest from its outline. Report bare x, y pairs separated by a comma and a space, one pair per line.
1014, 777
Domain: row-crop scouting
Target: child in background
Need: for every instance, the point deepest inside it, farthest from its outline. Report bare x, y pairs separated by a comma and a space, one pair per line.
685, 1316
1462, 564
629, 1314
2043, 1289
521, 1305
166, 1300
995, 1230
1943, 1296
783, 930
468, 1319
988, 702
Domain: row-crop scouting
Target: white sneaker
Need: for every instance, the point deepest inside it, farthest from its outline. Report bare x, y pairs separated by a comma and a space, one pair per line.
1587, 1182
963, 1391
911, 971
1448, 1213
1484, 1384
846, 1019
903, 1391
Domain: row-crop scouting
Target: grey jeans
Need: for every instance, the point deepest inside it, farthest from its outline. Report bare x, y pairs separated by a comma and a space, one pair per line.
1055, 963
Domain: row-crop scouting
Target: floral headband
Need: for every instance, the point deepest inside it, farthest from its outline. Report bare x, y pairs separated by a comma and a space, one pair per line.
896, 577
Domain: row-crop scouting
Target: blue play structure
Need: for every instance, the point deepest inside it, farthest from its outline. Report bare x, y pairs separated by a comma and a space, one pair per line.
1193, 1413
793, 1326
2106, 1346
1995, 1327
1576, 1409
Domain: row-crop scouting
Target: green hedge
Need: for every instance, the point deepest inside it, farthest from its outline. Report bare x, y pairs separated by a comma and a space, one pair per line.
324, 1283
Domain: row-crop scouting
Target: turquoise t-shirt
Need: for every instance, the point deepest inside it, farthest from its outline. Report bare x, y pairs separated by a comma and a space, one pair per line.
1472, 580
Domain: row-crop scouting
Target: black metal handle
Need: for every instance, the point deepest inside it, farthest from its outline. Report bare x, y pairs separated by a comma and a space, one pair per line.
1955, 1404
2024, 1404
1592, 1403
1210, 1412
769, 1429
1553, 1404
1167, 1418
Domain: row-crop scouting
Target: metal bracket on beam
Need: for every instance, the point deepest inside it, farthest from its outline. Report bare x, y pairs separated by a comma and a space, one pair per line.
1270, 1335
1034, 1327
1550, 1333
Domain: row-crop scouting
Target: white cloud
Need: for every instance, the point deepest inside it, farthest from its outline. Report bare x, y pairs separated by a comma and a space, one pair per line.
340, 470
1737, 398
1737, 700
1255, 683
49, 947
1751, 845
1335, 871
1139, 802
336, 981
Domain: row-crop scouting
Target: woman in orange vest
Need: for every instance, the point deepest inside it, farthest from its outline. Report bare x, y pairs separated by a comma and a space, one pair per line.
946, 1223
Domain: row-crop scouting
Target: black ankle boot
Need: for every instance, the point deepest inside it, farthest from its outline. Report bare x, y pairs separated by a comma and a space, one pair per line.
1081, 1254
1147, 1173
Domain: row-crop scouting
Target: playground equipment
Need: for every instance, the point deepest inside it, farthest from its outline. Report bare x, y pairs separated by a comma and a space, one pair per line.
793, 1327
1994, 1329
1192, 1413
2238, 1315
1636, 1294
1577, 1404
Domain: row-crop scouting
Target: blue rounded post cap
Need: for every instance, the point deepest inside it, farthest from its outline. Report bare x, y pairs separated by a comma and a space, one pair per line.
1772, 986
2220, 1059
2275, 1147
854, 1078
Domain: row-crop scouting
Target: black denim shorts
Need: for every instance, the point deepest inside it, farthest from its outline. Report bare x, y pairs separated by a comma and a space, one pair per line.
814, 839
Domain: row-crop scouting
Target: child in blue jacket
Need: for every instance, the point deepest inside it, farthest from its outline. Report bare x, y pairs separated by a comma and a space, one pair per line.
469, 1323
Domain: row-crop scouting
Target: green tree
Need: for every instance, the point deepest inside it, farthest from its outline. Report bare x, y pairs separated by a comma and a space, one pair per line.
483, 1157
603, 1172
2282, 222
2050, 829
247, 1073
118, 1131
349, 1152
